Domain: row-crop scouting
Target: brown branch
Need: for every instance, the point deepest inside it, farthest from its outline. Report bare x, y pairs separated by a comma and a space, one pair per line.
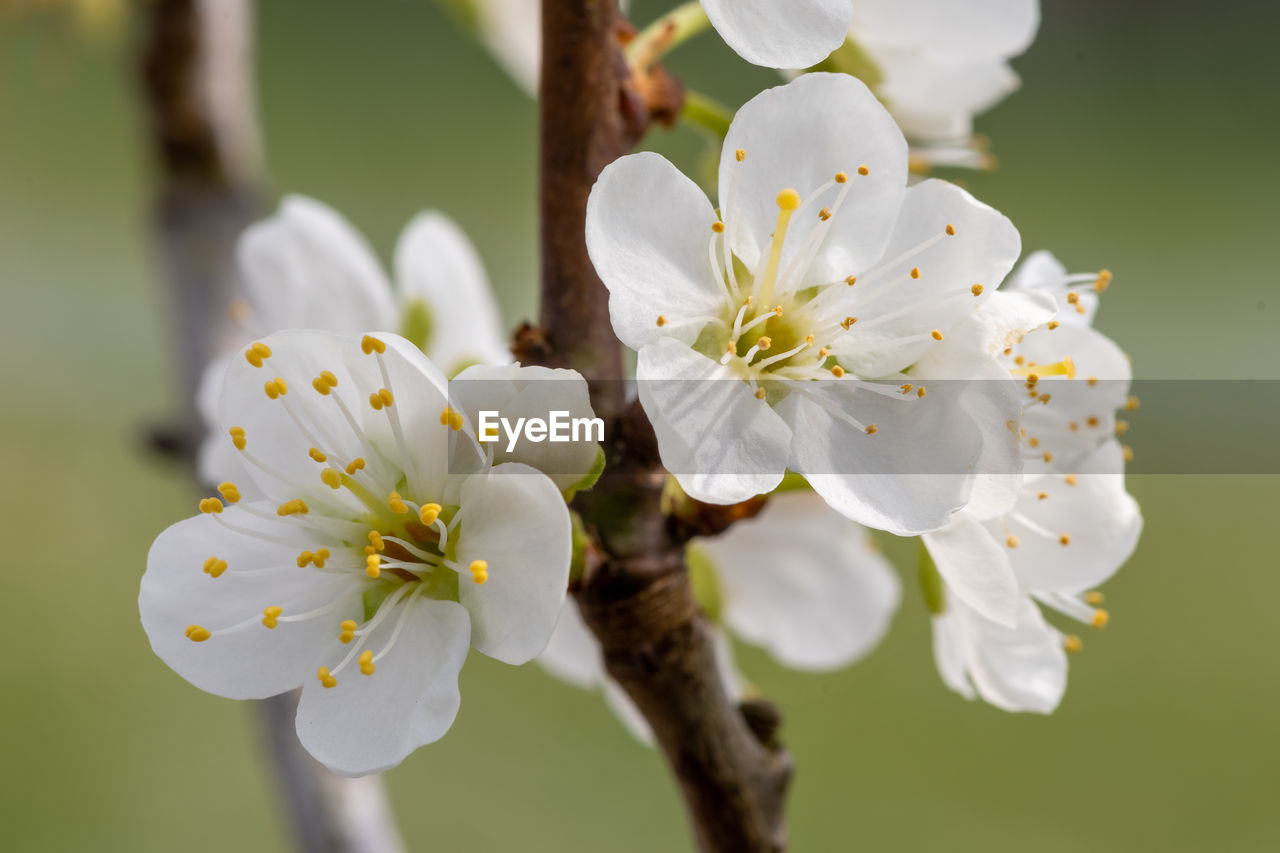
196, 70
636, 595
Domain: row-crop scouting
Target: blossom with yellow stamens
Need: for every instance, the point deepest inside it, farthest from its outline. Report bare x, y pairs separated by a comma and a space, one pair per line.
259, 597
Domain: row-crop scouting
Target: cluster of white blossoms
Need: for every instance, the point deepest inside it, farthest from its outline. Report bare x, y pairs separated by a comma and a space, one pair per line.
827, 320
934, 63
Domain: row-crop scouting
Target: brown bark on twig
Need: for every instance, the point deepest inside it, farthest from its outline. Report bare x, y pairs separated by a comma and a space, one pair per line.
198, 98
635, 595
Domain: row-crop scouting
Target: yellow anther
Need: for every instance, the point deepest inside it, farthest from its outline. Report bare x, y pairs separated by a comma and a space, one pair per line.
662, 320
1073, 426
369, 344
872, 429
863, 170
297, 506
1103, 281
325, 678
331, 477
1073, 297
1100, 619
1128, 453
1064, 539
429, 513
396, 503
936, 335
237, 437
256, 353
915, 272
740, 155
1091, 421
1034, 442
847, 323
1072, 643
920, 391
357, 464
1122, 427
851, 280
760, 394
842, 177
276, 388
1019, 360
906, 388
764, 342
1053, 324
1011, 541
366, 662
373, 565
369, 549
717, 227
229, 492
348, 631
319, 557
837, 371
387, 398
329, 378
976, 290
210, 505
788, 199
823, 352
1092, 380
1132, 404
777, 310
197, 633
731, 348
215, 566
479, 571
452, 418
1048, 456
1032, 378
375, 539
951, 230
824, 214
1042, 496
305, 558
270, 615
316, 455
1070, 480
320, 386
1094, 598
376, 402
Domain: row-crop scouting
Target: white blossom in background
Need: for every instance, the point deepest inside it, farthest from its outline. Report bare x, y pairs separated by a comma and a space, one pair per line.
772, 33
385, 545
937, 64
798, 580
1067, 527
306, 267
774, 334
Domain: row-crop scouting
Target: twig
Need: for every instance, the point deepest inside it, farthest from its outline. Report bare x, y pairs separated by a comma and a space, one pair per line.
196, 75
635, 595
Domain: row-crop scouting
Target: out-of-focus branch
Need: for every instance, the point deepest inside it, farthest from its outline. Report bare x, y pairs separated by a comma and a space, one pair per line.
196, 70
635, 593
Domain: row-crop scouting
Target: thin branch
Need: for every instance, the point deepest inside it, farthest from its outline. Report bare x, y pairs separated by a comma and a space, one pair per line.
196, 75
635, 593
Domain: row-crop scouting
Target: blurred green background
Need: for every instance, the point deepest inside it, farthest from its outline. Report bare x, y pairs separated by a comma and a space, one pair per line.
1140, 141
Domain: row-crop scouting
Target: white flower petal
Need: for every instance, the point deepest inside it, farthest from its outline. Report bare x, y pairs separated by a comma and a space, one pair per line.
649, 235
254, 661
933, 100
982, 251
805, 583
999, 322
798, 136
369, 723
975, 565
1100, 519
957, 31
720, 442
775, 34
1015, 669
516, 392
909, 476
436, 263
306, 267
515, 520
573, 653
